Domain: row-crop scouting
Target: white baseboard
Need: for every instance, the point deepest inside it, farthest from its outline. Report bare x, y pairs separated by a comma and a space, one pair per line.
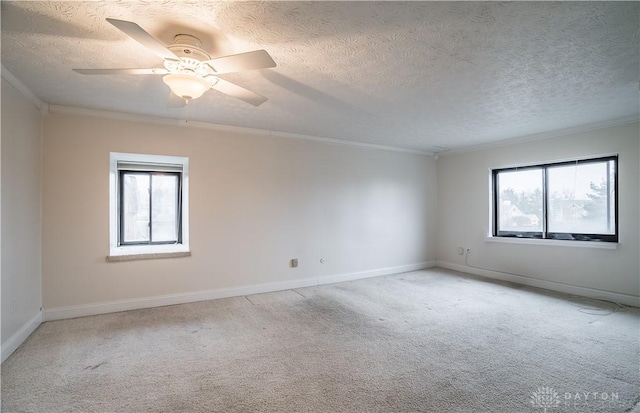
374, 273
9, 346
60, 313
625, 299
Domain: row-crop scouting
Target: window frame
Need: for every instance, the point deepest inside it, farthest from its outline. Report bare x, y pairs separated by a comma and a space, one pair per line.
545, 234
145, 163
121, 223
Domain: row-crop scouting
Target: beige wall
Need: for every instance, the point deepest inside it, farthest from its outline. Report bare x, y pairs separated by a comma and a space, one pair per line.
256, 202
21, 154
463, 218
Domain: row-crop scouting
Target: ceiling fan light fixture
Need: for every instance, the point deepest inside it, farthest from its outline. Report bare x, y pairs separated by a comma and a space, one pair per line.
186, 86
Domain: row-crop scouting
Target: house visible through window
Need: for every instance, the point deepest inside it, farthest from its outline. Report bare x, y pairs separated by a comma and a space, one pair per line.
574, 200
149, 204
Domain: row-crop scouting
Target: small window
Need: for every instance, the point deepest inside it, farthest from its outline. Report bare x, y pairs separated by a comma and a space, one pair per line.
149, 204
150, 210
574, 200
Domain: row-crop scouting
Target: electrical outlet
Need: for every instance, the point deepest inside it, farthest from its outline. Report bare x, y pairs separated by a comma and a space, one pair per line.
294, 263
460, 250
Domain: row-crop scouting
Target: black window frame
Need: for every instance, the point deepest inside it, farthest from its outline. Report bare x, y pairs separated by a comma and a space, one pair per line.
545, 234
150, 173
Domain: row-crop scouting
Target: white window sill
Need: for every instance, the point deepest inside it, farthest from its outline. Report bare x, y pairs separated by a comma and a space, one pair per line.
554, 242
147, 252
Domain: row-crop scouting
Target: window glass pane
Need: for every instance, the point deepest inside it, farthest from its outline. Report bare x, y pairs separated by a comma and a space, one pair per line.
582, 198
164, 201
520, 200
135, 203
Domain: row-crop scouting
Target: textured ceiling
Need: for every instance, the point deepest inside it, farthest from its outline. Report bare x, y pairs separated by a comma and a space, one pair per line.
417, 75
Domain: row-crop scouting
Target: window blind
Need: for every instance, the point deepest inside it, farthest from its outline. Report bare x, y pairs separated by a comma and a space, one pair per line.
146, 166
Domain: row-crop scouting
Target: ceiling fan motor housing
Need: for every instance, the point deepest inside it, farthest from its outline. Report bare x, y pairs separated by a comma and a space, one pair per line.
189, 49
188, 46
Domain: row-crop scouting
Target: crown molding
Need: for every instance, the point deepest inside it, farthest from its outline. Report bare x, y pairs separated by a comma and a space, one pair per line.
225, 128
544, 135
23, 89
47, 108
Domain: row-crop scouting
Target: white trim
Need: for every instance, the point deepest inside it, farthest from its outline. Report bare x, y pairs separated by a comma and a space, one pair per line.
554, 242
345, 142
139, 250
216, 127
12, 344
544, 135
337, 278
22, 88
114, 249
148, 255
182, 298
626, 299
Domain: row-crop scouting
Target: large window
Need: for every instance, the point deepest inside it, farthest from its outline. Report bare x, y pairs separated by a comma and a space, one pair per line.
149, 204
574, 200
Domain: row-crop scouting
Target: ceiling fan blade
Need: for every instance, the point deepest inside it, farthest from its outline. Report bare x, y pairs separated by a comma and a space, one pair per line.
158, 71
258, 59
141, 36
175, 101
238, 92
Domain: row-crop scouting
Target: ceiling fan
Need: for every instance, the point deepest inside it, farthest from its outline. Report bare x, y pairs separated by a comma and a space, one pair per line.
188, 70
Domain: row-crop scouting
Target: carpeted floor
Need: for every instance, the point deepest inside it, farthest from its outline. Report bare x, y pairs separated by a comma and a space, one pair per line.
425, 341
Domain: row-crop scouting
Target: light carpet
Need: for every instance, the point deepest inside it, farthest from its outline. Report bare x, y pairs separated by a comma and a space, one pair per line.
425, 341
